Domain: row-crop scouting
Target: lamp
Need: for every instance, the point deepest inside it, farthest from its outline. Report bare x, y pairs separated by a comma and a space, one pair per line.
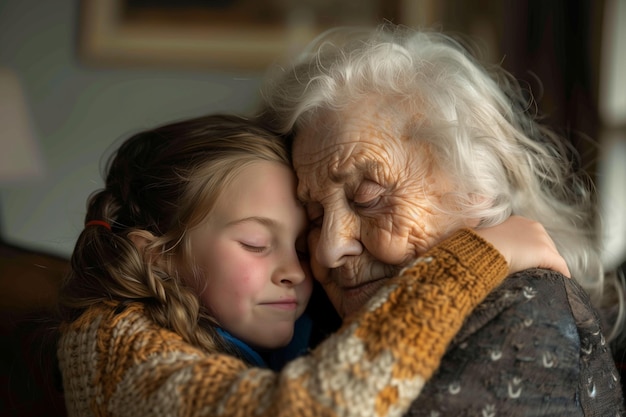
20, 157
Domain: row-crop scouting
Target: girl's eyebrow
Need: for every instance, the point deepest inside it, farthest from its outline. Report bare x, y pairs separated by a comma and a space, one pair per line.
266, 221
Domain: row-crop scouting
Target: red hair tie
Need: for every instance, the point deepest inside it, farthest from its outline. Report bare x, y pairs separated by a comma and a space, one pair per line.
98, 223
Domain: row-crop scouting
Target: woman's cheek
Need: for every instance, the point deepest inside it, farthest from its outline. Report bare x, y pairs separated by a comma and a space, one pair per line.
395, 252
385, 246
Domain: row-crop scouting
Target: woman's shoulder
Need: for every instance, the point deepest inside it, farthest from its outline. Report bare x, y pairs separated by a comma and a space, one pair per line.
552, 296
532, 347
537, 298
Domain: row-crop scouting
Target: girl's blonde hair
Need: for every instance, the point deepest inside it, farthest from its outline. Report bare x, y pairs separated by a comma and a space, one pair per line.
159, 184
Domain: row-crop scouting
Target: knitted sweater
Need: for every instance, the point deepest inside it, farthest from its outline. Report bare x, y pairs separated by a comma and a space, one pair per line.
117, 362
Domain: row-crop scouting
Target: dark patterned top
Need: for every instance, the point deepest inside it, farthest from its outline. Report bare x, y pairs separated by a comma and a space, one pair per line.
534, 347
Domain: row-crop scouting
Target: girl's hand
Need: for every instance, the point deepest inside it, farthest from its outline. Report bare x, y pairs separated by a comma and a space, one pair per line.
525, 244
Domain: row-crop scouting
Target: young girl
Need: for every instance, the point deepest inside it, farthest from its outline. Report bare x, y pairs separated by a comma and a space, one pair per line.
151, 239
189, 270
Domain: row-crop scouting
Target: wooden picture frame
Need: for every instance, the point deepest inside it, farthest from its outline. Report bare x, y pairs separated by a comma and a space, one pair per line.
217, 34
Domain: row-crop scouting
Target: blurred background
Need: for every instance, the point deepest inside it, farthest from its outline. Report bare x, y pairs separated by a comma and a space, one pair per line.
79, 76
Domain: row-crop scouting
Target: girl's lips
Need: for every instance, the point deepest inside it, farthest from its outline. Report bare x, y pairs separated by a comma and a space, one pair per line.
282, 305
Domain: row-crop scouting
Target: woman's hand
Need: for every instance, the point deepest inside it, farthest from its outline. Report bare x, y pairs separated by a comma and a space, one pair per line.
524, 243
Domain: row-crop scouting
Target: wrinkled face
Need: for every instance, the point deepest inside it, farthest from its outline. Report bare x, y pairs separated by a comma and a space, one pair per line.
250, 253
371, 194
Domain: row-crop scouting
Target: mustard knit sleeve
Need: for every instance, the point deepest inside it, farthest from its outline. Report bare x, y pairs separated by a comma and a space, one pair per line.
375, 365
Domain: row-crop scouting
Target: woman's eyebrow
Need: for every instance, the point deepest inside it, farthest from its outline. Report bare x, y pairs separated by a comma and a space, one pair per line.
360, 168
340, 176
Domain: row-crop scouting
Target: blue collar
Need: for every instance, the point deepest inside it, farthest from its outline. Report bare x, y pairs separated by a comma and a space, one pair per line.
279, 357
243, 349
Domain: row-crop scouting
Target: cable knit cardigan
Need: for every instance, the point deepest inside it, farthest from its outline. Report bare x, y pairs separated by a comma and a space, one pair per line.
115, 361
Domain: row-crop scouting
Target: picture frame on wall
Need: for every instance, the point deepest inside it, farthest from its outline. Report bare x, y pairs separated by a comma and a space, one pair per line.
219, 34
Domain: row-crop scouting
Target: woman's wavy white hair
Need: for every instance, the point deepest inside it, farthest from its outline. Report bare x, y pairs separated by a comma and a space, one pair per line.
479, 124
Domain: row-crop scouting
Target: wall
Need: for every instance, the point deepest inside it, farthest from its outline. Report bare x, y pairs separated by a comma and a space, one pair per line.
79, 113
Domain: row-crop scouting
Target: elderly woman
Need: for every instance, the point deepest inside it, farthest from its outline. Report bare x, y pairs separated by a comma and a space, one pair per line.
401, 138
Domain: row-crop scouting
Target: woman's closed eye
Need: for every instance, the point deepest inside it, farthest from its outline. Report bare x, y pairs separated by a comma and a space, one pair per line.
315, 213
302, 249
367, 195
366, 204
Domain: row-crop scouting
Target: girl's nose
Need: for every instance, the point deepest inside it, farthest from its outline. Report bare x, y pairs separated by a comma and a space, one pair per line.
291, 272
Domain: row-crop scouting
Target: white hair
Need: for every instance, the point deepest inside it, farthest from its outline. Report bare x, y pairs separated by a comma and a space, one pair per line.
477, 123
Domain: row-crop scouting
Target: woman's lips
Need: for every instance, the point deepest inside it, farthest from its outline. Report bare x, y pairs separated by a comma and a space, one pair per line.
356, 296
362, 287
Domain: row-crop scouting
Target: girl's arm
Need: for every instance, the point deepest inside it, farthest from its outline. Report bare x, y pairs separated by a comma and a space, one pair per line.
120, 363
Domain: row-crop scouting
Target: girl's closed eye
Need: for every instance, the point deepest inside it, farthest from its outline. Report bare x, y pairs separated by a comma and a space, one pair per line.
253, 237
256, 248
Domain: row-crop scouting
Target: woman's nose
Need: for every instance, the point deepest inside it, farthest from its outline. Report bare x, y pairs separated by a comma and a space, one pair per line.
338, 240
